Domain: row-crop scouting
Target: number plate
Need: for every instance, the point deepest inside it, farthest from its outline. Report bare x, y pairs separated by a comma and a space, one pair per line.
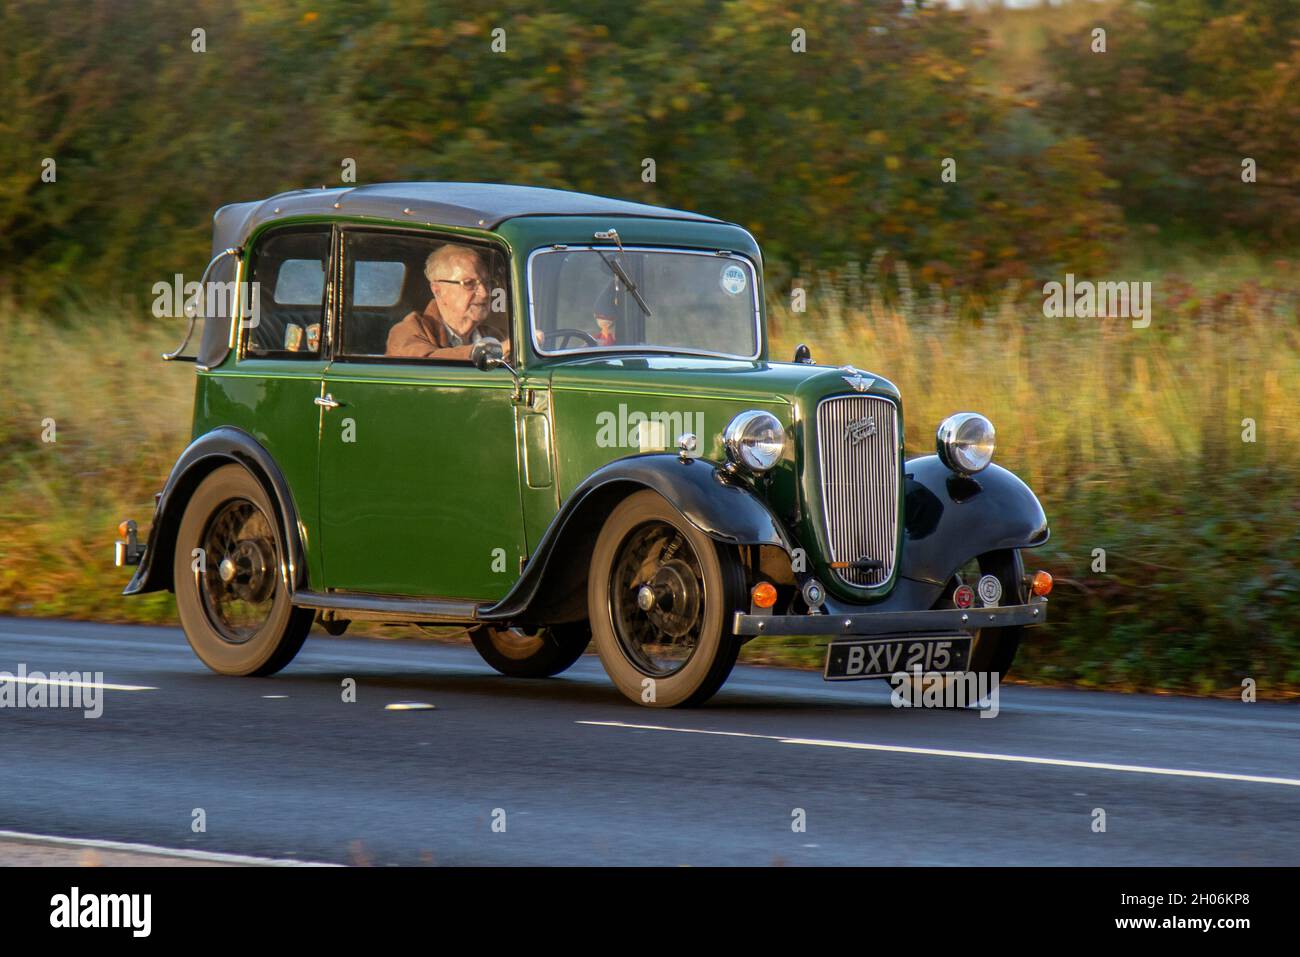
856, 658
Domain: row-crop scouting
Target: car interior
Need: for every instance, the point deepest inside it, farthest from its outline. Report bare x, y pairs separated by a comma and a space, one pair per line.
385, 282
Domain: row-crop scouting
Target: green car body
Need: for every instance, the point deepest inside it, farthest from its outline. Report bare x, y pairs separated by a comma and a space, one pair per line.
437, 492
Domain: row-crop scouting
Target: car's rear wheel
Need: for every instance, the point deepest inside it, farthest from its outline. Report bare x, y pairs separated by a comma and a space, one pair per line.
537, 653
231, 594
660, 598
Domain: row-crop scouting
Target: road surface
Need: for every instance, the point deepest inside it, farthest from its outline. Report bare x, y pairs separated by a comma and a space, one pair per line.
566, 771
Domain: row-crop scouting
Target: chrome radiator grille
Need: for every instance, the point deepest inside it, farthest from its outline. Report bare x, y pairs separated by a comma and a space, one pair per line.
857, 440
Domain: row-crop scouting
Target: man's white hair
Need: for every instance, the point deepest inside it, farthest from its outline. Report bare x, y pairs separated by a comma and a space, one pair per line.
445, 252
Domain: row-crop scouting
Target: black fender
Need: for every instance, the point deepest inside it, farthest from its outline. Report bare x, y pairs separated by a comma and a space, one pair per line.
948, 518
703, 492
208, 452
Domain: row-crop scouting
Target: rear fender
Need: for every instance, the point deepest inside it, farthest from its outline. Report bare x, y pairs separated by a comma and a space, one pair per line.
208, 452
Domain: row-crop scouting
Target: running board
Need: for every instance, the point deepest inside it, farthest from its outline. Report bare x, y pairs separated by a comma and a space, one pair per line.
360, 607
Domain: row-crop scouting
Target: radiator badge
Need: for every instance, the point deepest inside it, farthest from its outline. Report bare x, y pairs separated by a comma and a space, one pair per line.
856, 378
859, 429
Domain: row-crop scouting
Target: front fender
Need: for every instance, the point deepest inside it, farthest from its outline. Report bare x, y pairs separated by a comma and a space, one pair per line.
950, 519
719, 505
206, 453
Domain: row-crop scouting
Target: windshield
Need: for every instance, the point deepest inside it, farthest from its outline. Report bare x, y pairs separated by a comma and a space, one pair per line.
594, 299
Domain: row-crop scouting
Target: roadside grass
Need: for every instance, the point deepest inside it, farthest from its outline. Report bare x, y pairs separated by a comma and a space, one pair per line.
1131, 437
118, 418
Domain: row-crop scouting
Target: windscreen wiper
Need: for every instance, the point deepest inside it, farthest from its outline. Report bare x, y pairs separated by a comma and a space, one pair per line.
617, 269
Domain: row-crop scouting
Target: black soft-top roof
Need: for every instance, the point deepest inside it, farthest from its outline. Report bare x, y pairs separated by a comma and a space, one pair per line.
481, 205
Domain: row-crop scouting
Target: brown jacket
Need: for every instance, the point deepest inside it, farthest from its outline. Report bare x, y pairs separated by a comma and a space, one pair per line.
423, 335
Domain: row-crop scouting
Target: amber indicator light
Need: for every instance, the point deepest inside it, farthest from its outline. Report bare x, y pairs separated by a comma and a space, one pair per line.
763, 595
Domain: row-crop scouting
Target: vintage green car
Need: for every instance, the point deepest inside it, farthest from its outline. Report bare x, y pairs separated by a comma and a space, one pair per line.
550, 416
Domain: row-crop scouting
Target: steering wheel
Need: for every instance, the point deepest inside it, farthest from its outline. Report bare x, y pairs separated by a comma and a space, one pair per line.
554, 338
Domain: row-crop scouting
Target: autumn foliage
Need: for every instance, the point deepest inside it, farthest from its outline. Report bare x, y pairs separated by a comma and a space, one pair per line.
823, 127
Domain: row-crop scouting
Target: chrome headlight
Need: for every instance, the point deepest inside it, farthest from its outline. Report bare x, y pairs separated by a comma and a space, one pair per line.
755, 440
965, 442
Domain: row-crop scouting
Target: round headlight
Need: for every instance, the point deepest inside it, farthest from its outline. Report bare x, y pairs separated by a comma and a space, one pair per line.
755, 440
965, 442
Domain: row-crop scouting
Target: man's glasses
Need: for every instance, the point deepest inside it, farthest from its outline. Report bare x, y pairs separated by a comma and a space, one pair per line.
471, 286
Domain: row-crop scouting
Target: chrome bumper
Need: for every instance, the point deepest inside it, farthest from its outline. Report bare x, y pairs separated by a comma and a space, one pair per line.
944, 620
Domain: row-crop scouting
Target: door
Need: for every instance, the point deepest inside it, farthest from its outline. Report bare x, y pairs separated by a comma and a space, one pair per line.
419, 476
271, 389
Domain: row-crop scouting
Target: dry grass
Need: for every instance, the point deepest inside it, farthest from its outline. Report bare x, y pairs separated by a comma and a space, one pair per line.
120, 418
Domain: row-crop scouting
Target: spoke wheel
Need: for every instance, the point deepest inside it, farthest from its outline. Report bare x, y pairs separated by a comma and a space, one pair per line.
660, 596
241, 566
656, 598
232, 594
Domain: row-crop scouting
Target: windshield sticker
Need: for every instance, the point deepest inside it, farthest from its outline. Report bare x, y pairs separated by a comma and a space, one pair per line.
733, 280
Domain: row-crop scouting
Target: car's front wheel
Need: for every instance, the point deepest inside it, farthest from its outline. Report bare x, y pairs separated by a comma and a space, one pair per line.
994, 649
538, 653
229, 577
660, 598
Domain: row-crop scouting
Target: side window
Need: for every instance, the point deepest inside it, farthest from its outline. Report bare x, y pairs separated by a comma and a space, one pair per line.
421, 297
289, 267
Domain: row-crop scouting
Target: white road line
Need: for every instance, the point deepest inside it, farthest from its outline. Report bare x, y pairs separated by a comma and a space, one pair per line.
6, 678
216, 857
972, 755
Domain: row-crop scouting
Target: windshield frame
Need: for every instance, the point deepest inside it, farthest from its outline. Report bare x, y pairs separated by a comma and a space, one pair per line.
586, 350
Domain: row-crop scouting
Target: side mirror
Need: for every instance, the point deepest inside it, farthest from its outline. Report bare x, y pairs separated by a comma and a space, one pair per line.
802, 354
487, 354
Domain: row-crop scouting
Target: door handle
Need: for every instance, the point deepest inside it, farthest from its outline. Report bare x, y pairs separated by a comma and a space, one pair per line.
326, 401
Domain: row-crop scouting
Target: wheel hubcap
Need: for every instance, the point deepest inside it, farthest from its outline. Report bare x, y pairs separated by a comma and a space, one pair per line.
657, 599
645, 597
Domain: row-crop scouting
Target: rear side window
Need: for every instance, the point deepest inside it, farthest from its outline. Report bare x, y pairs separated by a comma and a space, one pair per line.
301, 282
289, 267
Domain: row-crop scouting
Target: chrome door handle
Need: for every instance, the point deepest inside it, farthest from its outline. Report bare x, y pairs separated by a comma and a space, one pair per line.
326, 401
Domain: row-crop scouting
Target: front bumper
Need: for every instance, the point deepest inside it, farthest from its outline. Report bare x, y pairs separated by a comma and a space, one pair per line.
944, 620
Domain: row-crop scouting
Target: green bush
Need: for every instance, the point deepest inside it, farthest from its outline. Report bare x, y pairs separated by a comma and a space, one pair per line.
1184, 93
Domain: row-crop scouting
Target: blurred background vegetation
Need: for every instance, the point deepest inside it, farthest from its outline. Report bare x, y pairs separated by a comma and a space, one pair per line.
1122, 166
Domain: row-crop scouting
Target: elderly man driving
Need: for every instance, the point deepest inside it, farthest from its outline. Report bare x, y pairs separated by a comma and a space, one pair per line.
455, 317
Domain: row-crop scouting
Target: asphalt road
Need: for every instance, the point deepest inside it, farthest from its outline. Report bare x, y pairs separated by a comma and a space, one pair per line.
284, 768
